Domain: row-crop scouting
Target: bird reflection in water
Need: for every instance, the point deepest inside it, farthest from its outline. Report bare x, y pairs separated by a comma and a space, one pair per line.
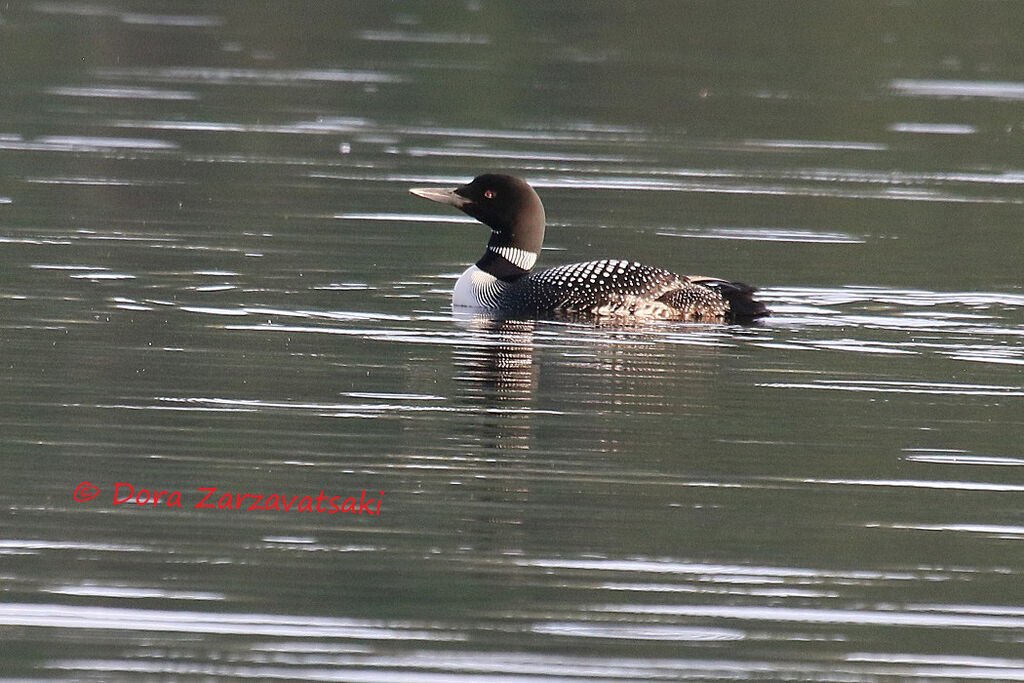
611, 369
495, 375
642, 390
495, 367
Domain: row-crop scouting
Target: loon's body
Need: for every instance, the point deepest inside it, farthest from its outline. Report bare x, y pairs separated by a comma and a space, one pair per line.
503, 280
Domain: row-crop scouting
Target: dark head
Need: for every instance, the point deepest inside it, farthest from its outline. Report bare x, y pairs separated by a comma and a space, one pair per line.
504, 203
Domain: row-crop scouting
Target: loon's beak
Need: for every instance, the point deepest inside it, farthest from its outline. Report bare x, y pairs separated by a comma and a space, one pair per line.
441, 195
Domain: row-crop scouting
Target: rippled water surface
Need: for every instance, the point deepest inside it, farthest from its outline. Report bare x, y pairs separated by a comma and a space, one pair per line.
212, 277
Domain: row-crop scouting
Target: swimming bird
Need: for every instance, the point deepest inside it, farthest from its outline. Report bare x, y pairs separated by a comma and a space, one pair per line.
503, 280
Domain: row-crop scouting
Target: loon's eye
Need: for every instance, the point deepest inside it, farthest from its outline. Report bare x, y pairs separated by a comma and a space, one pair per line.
490, 194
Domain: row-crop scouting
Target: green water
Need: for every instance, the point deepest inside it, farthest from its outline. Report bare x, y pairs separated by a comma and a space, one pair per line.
212, 277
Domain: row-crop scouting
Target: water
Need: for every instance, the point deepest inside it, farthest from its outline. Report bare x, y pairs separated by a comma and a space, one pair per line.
213, 278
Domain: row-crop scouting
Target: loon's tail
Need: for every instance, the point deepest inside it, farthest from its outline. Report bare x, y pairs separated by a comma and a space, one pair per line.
742, 304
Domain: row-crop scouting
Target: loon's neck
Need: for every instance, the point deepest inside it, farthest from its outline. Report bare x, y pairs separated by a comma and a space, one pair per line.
506, 263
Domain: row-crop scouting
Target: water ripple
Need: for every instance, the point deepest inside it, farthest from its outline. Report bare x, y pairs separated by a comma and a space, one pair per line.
766, 235
122, 93
928, 616
999, 90
903, 387
226, 76
423, 37
221, 623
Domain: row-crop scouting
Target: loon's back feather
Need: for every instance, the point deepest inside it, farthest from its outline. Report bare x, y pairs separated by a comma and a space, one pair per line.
579, 287
739, 296
619, 288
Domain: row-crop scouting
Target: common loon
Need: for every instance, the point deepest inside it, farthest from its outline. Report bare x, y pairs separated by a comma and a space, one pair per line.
503, 280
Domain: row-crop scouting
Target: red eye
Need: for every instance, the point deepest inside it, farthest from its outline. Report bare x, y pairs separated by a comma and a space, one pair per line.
490, 194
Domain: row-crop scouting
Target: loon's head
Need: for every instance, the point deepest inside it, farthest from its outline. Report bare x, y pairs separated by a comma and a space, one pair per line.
505, 204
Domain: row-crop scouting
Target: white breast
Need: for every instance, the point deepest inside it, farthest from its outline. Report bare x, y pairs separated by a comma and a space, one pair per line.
477, 289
